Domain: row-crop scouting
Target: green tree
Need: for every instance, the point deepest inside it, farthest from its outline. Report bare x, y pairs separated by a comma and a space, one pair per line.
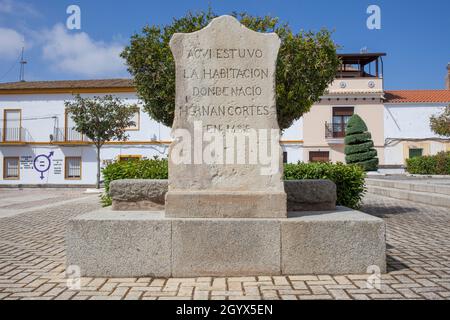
101, 119
359, 145
307, 63
440, 124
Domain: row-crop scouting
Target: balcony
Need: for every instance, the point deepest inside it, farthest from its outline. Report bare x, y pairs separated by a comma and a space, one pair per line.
335, 133
68, 136
13, 136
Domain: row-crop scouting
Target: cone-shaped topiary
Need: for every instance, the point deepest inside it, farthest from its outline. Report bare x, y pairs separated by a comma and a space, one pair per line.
359, 145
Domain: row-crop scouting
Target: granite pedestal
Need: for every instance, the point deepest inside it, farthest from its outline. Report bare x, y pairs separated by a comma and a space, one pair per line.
110, 243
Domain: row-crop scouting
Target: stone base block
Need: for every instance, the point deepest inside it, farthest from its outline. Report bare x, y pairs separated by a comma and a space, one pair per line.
132, 244
138, 194
207, 204
310, 195
120, 244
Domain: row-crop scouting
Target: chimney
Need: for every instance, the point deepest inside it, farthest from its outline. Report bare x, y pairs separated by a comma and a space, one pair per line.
447, 79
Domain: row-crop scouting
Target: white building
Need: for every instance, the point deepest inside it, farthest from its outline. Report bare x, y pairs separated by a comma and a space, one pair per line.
407, 130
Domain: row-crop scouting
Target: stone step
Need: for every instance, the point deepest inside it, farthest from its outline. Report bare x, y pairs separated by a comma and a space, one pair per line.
440, 200
410, 186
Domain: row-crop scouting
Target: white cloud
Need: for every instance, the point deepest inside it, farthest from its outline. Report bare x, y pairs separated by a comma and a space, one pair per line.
18, 8
11, 43
78, 54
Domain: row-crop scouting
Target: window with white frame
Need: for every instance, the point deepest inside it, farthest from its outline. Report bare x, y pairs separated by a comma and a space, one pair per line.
73, 168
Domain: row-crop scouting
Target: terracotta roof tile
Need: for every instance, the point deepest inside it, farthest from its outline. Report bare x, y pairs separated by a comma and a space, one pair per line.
68, 84
417, 96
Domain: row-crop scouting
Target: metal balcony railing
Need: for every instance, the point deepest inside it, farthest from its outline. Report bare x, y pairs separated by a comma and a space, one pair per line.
13, 135
334, 130
68, 135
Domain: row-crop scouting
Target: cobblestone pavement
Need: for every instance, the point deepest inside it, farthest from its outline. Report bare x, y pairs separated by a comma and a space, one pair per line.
32, 263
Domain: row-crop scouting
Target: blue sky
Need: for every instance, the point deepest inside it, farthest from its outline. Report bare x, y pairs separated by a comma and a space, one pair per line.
414, 34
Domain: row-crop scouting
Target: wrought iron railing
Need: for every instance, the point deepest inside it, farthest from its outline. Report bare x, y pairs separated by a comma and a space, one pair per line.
334, 130
68, 135
13, 135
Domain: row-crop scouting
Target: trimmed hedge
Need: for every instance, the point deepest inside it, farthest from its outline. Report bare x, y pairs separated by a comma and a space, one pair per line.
134, 169
357, 138
359, 145
436, 165
349, 179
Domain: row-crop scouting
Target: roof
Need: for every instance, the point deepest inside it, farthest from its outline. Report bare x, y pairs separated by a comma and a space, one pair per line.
360, 58
417, 96
70, 86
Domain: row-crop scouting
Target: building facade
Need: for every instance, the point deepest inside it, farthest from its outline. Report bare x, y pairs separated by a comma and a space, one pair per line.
407, 130
39, 146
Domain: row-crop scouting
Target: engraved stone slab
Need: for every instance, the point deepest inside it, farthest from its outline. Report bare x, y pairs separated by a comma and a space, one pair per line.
226, 150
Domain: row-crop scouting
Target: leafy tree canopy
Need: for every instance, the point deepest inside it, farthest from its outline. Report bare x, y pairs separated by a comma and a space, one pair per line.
440, 124
307, 63
101, 119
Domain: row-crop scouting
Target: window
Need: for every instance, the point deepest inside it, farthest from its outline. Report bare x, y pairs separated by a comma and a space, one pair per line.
125, 158
12, 126
341, 115
319, 156
285, 157
73, 168
136, 119
415, 152
11, 168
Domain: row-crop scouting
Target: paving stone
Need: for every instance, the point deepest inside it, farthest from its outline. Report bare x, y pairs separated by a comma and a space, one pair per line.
418, 263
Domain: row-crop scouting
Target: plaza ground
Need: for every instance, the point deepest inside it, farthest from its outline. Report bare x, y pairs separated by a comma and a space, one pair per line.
32, 257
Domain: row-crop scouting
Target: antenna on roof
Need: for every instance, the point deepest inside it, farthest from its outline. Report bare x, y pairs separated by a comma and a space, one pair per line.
363, 50
22, 67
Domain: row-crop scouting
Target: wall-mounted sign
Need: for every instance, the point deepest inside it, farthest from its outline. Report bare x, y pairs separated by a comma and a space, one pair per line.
58, 166
42, 163
26, 162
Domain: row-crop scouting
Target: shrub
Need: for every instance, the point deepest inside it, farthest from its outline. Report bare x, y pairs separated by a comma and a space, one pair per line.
349, 179
359, 146
134, 169
438, 164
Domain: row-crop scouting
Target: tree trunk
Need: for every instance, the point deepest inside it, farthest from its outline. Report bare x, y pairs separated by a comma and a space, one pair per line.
98, 167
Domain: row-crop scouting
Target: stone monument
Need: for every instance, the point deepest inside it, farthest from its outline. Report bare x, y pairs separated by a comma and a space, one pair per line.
225, 202
226, 159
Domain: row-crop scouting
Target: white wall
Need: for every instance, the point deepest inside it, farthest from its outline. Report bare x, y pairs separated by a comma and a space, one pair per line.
409, 121
56, 173
41, 113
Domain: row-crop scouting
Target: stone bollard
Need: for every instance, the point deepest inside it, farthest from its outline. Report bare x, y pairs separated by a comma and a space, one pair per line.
310, 195
138, 195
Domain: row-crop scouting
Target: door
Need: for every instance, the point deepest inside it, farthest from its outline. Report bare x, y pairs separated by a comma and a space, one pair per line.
70, 133
341, 115
12, 127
